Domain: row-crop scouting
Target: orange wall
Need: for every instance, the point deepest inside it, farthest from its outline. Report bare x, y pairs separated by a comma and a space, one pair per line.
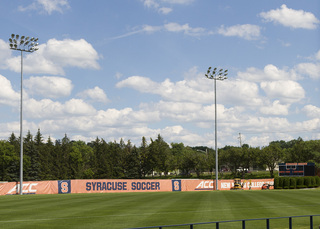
124, 185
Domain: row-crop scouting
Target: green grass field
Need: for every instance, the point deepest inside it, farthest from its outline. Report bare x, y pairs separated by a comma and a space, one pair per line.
129, 210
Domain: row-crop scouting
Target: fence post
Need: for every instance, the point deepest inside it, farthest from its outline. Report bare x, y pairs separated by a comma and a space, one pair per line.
243, 224
268, 224
217, 225
191, 226
311, 222
290, 222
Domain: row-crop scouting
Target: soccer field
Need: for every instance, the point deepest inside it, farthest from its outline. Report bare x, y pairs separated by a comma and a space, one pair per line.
129, 210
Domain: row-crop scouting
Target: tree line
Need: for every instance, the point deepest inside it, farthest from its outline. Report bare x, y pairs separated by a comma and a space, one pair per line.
98, 159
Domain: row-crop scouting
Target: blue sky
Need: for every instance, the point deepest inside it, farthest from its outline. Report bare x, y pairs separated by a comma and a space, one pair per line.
132, 68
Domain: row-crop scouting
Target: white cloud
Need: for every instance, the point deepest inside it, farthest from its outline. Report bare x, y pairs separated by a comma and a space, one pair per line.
95, 94
53, 56
311, 111
269, 73
4, 53
165, 10
291, 18
284, 90
159, 5
168, 90
49, 86
7, 95
186, 29
276, 108
49, 109
318, 55
150, 3
247, 31
118, 75
239, 92
197, 90
46, 6
78, 53
310, 69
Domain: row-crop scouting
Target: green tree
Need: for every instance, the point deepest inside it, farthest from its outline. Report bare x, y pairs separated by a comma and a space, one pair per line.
9, 162
162, 153
271, 156
147, 162
232, 157
31, 161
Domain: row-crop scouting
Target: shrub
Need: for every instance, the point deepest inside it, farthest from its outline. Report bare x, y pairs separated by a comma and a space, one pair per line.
293, 182
307, 182
317, 181
300, 182
276, 182
313, 181
286, 182
281, 179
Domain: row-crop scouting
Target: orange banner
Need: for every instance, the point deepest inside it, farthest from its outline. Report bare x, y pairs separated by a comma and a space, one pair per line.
126, 185
29, 187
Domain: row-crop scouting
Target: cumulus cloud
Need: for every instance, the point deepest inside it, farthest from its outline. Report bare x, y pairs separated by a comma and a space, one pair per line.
46, 6
309, 69
311, 111
4, 53
46, 108
179, 91
197, 90
276, 108
246, 31
269, 73
291, 18
95, 94
7, 95
284, 90
55, 55
49, 86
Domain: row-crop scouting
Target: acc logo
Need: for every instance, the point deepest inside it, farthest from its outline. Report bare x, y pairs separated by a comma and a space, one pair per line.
64, 186
27, 188
176, 185
205, 185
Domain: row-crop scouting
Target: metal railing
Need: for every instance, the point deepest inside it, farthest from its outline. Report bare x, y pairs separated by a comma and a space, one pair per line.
243, 221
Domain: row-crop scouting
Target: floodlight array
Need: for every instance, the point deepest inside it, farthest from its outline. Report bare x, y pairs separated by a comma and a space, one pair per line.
25, 44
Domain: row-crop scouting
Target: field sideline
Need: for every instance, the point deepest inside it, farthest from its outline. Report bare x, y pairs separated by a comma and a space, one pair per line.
129, 210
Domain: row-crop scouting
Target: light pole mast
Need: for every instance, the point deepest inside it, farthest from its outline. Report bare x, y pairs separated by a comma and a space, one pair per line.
216, 75
23, 45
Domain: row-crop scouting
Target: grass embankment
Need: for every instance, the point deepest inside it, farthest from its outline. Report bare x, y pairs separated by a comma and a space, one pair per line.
128, 210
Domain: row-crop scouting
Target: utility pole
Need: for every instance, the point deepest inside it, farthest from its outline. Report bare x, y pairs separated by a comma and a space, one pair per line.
240, 139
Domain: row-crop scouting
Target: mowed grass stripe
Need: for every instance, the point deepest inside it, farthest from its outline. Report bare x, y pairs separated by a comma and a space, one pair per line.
126, 210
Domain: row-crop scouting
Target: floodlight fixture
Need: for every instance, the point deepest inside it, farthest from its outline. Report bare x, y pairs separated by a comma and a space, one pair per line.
22, 45
215, 75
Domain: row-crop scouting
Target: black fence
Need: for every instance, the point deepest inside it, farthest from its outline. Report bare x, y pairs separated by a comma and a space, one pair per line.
243, 222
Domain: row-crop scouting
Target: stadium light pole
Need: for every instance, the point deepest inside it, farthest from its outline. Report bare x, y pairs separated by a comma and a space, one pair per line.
215, 75
25, 44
